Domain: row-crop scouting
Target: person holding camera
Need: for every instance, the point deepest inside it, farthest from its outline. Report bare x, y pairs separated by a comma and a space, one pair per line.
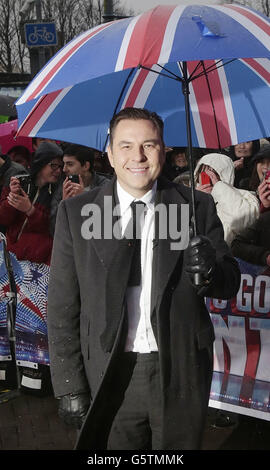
79, 174
25, 206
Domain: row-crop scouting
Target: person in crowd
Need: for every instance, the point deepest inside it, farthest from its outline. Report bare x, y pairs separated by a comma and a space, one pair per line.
236, 208
20, 154
130, 337
260, 181
8, 168
176, 163
101, 164
241, 155
253, 243
25, 211
36, 141
78, 160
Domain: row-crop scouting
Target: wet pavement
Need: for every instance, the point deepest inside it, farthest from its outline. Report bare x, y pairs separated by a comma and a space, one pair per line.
28, 422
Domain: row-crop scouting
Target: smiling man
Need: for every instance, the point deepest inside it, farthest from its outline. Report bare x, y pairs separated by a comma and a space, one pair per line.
130, 336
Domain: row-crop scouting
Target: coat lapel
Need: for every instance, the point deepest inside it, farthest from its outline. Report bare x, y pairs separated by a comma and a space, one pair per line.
167, 252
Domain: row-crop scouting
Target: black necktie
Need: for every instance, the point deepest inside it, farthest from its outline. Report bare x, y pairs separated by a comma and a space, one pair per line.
137, 208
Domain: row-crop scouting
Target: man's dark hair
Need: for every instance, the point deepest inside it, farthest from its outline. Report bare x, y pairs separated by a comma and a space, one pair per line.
81, 153
136, 114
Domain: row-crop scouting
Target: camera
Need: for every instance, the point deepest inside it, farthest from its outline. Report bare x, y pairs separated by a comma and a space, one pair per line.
74, 178
25, 182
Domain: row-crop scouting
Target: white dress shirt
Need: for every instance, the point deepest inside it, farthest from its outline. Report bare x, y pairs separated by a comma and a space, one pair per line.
140, 336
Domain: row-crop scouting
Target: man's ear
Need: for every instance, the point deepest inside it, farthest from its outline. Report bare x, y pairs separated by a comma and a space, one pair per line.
110, 155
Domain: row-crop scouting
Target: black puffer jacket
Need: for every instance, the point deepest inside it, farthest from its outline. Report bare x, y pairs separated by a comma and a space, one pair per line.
253, 244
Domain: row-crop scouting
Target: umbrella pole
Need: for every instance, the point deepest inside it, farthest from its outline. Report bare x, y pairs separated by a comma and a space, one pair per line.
185, 89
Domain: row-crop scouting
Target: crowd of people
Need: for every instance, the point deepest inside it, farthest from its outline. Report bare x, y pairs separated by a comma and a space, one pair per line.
33, 185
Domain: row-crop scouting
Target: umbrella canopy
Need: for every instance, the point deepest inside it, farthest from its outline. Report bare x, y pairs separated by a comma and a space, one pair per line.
8, 138
115, 65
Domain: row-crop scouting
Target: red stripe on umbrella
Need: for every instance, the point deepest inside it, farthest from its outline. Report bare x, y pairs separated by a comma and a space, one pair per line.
143, 34
258, 68
38, 111
205, 107
136, 88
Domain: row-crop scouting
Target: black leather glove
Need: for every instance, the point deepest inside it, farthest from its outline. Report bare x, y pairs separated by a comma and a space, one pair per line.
201, 259
73, 408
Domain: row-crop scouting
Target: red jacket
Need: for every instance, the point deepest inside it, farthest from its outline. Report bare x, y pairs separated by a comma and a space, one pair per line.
35, 242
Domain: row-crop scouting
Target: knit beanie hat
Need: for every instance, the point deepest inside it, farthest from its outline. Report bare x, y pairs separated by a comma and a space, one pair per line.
44, 154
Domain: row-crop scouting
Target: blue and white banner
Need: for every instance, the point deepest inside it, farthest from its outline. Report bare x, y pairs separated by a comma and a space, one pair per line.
31, 312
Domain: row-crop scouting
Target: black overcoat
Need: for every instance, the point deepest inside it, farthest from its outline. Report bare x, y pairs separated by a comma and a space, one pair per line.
87, 295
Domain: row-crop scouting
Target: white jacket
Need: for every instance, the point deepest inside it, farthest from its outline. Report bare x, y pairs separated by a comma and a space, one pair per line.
236, 208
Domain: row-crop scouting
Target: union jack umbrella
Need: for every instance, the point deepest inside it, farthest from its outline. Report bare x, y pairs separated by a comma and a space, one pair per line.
147, 61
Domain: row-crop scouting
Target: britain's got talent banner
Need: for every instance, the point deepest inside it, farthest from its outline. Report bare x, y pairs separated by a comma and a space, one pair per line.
241, 378
31, 321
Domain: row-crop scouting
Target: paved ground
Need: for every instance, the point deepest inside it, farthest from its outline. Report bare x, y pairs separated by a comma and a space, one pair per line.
31, 423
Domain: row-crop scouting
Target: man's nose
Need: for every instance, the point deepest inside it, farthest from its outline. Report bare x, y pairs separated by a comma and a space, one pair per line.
139, 154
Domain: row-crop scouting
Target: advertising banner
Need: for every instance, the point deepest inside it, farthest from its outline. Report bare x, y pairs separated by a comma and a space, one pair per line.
241, 379
31, 312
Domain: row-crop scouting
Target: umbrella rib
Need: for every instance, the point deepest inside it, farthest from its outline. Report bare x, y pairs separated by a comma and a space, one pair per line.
175, 77
211, 68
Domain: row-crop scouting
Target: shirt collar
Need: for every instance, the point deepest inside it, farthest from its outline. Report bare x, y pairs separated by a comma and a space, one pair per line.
125, 199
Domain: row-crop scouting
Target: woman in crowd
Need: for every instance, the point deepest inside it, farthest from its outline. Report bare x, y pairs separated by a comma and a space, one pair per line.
236, 208
25, 212
260, 181
241, 155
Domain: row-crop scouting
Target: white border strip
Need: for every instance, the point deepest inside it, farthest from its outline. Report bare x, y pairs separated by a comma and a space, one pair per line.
125, 43
251, 27
242, 410
49, 111
265, 63
170, 34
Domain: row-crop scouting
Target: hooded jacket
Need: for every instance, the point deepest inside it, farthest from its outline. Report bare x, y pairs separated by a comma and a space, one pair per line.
236, 208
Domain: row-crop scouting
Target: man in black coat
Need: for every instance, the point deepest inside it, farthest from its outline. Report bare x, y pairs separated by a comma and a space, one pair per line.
131, 346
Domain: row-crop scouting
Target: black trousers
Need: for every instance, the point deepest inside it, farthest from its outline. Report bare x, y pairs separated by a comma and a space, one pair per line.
137, 423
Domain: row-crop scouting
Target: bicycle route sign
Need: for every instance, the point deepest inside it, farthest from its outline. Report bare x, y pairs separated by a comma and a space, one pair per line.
40, 34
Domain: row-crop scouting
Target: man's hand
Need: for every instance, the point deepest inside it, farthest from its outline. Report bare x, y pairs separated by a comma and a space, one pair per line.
72, 189
201, 259
264, 193
73, 408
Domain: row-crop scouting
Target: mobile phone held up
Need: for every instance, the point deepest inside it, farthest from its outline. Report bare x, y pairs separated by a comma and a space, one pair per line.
205, 178
267, 175
74, 178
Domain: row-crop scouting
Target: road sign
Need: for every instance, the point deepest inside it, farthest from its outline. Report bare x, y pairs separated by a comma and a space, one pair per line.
40, 34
